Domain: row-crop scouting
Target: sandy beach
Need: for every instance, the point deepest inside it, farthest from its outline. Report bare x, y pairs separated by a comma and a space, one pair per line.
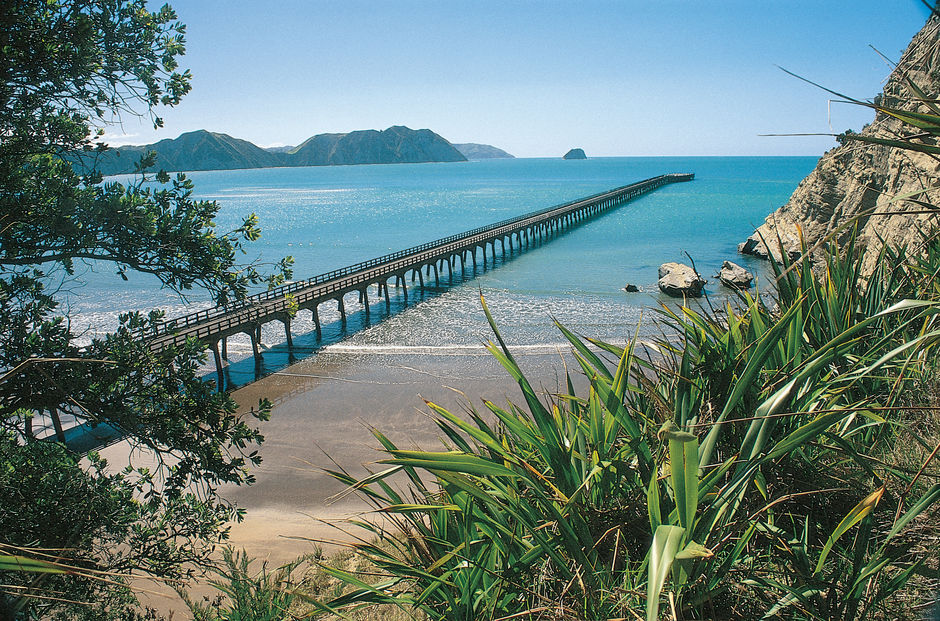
324, 409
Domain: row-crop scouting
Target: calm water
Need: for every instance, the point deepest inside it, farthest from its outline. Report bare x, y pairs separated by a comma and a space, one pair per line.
329, 217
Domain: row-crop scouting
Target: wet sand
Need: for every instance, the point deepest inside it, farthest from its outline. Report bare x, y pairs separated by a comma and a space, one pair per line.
324, 409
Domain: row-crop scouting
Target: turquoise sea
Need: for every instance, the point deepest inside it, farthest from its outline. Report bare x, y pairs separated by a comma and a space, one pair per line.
329, 217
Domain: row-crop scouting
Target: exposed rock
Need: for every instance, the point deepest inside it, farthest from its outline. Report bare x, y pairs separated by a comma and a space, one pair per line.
474, 151
679, 280
755, 247
575, 154
734, 276
631, 288
858, 179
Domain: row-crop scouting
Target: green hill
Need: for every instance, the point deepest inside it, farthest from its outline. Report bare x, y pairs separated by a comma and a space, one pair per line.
205, 150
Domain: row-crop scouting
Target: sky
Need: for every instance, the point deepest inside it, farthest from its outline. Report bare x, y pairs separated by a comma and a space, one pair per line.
616, 78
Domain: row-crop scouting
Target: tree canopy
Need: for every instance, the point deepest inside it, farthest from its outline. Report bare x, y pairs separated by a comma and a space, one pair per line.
68, 69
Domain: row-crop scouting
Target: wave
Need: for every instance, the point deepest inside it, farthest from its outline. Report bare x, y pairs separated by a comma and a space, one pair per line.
447, 350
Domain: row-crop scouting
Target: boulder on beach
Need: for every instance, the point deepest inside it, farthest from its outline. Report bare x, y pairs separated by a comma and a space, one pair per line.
575, 154
734, 276
679, 280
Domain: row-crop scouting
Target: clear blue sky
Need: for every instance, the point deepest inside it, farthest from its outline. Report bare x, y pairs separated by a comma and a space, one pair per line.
659, 77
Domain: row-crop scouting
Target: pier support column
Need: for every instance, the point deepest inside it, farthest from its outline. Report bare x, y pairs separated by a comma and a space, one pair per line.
255, 335
342, 310
364, 299
225, 348
437, 276
290, 339
316, 322
57, 425
218, 366
420, 278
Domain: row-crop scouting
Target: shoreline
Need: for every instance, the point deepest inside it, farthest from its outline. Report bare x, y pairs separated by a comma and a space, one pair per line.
325, 408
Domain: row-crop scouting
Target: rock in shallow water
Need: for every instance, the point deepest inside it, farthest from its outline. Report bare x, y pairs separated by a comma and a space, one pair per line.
734, 276
631, 288
679, 280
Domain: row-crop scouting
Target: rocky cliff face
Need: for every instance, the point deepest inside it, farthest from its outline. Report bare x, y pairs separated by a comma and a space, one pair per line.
861, 180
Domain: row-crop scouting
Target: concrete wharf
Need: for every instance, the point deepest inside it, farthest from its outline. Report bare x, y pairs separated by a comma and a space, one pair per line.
213, 326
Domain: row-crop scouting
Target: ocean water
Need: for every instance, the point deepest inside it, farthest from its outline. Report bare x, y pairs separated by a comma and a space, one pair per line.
329, 217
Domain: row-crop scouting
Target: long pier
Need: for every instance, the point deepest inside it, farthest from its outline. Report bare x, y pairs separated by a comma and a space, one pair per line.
213, 326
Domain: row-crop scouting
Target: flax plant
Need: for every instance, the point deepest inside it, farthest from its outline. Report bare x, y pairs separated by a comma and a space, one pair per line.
726, 474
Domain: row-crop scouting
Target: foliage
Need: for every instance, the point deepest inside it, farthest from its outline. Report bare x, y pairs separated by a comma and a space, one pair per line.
737, 474
247, 597
69, 68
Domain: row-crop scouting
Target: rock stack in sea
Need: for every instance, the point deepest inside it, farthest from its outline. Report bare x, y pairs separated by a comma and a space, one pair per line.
861, 180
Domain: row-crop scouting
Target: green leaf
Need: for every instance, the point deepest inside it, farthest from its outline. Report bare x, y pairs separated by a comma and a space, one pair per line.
666, 541
15, 562
652, 504
859, 511
414, 508
451, 461
694, 550
683, 465
925, 501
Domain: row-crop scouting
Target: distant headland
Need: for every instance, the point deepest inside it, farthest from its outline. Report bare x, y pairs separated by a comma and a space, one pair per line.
575, 154
475, 151
205, 150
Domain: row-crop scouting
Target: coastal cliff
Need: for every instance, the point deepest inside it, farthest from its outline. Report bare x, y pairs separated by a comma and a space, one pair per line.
862, 180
